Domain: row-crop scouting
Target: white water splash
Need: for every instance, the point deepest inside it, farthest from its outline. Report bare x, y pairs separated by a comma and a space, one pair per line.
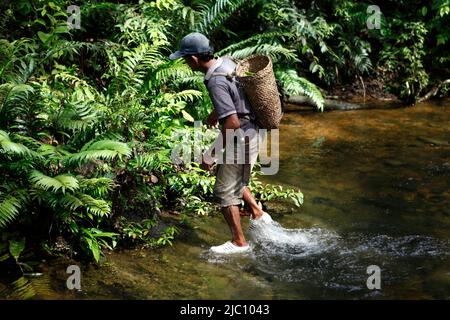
300, 255
274, 239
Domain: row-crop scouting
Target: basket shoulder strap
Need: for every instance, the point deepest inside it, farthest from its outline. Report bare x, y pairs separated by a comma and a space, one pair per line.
235, 60
228, 75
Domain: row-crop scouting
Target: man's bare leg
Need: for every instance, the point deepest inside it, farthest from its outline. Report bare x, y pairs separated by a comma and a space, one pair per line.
233, 219
248, 198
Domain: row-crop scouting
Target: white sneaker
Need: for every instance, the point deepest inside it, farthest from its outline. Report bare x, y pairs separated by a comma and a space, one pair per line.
229, 248
265, 218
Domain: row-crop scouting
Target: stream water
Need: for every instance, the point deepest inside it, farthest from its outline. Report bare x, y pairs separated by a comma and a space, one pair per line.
377, 192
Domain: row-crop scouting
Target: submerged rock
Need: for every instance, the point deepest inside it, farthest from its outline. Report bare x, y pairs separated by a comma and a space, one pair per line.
410, 184
318, 142
438, 169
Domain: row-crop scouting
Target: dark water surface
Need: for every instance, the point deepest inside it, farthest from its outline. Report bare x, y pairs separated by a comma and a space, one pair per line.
377, 192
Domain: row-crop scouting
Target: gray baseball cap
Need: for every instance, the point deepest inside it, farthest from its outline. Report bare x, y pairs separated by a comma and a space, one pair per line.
193, 43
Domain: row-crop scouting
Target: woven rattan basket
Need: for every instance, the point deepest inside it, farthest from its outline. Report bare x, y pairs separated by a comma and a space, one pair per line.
255, 73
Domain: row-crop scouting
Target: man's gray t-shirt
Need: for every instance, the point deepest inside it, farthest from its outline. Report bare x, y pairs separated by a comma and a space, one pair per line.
228, 97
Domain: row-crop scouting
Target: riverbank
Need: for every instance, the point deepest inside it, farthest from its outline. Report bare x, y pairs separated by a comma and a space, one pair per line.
369, 93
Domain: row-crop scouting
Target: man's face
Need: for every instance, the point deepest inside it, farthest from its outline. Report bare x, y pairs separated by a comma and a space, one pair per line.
192, 62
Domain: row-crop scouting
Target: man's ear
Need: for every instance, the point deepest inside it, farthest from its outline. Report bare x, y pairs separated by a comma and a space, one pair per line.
194, 59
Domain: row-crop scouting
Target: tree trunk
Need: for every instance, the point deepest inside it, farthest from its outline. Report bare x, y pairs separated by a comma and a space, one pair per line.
433, 91
329, 104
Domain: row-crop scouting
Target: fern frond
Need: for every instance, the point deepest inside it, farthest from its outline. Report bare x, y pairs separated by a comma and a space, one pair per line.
69, 201
272, 50
63, 181
10, 147
12, 95
137, 28
293, 85
303, 28
189, 15
17, 59
9, 209
146, 161
153, 160
71, 48
170, 72
137, 64
49, 151
185, 95
256, 38
78, 116
97, 207
213, 17
97, 186
103, 149
194, 80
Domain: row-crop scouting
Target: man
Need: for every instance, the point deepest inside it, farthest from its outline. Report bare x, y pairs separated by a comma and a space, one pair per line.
232, 111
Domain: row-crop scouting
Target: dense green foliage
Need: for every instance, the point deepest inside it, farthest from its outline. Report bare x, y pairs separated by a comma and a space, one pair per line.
332, 43
87, 123
88, 116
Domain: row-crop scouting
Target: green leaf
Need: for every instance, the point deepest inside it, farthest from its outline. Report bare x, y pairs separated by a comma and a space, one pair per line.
104, 149
294, 85
40, 21
9, 209
43, 36
187, 116
53, 5
63, 181
424, 11
61, 29
16, 248
11, 147
95, 249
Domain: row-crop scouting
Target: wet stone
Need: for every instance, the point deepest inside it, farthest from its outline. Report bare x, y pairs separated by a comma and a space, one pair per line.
324, 201
409, 185
318, 142
439, 169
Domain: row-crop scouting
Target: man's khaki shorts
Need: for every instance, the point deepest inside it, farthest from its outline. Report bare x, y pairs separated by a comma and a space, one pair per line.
232, 178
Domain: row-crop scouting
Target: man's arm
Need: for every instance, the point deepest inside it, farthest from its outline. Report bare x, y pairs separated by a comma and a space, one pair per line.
225, 109
231, 122
212, 119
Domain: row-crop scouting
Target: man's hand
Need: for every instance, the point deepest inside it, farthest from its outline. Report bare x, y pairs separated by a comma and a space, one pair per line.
230, 122
207, 163
212, 120
205, 166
